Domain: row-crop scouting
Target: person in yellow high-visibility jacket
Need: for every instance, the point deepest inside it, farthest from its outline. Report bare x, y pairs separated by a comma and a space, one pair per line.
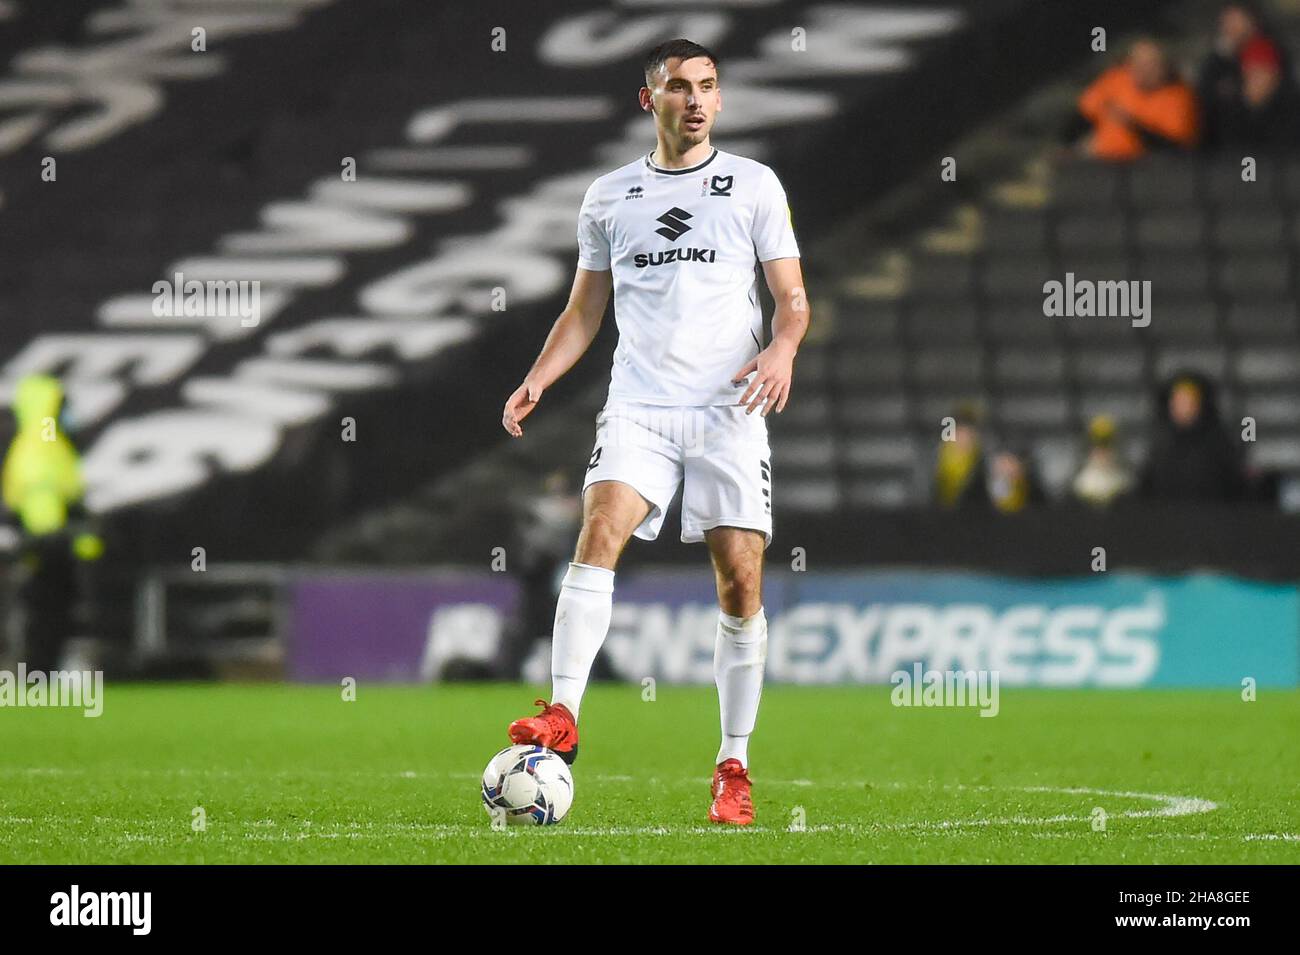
42, 472
42, 485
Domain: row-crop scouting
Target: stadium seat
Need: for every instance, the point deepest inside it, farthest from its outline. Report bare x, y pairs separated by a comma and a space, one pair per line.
1019, 367
941, 276
807, 407
1268, 366
1020, 322
814, 495
887, 493
1117, 331
1291, 183
1176, 274
867, 321
1273, 409
807, 452
1094, 367
929, 410
1057, 459
812, 365
1026, 411
1255, 274
1225, 188
1169, 230
1018, 276
1272, 320
1163, 183
1281, 453
1087, 185
938, 323
869, 368
884, 410
1209, 361
1014, 231
1250, 229
1183, 320
1090, 233
948, 366
882, 450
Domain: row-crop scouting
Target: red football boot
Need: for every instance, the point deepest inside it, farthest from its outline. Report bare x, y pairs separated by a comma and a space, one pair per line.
553, 728
731, 800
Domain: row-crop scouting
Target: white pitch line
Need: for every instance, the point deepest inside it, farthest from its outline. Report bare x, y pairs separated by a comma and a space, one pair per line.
1173, 805
1170, 806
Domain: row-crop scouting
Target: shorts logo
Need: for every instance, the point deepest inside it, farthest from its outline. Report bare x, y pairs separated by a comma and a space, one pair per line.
674, 225
765, 472
721, 186
595, 459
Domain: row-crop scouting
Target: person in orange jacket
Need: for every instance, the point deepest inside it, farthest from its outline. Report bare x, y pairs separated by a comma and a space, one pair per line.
1138, 106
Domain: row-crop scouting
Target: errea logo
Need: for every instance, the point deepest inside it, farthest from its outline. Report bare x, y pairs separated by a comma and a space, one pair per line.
636, 192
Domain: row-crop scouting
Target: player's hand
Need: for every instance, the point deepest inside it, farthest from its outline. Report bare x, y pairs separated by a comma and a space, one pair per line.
518, 407
771, 386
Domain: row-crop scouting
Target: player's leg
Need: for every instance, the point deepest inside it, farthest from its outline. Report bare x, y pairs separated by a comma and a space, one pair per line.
727, 502
740, 650
633, 475
611, 511
739, 655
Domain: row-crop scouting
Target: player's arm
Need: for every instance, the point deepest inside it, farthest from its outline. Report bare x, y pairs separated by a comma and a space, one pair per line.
775, 363
570, 337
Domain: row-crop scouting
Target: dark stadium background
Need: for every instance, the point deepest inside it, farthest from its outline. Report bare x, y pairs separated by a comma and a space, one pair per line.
926, 294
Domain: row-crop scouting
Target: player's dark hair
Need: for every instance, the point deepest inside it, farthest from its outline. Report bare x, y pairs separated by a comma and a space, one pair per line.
680, 49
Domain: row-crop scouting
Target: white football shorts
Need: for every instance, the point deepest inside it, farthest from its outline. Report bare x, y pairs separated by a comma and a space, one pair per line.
718, 451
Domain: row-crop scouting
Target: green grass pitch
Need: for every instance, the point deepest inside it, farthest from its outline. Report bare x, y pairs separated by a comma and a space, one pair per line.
295, 774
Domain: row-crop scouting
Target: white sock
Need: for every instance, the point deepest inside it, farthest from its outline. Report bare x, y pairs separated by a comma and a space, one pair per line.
738, 659
581, 622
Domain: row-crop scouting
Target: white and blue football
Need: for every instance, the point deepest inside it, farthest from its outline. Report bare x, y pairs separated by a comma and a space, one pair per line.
528, 785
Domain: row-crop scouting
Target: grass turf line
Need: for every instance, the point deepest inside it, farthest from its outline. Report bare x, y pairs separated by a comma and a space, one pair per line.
295, 774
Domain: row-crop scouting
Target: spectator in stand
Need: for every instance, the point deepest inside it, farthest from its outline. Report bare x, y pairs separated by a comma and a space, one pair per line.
1013, 484
959, 470
1249, 98
1104, 477
1135, 108
1193, 456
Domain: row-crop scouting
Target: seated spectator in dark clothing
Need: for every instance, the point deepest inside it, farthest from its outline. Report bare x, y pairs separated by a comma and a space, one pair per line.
1137, 107
1249, 98
959, 470
1193, 456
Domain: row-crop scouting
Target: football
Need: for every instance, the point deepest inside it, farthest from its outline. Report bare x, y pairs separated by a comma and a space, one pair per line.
527, 785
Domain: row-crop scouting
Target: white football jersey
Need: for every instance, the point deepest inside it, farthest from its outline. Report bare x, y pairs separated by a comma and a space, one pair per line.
682, 244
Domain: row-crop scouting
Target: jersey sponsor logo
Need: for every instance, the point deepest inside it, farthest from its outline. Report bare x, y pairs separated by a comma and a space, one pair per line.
674, 224
675, 227
642, 259
721, 186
